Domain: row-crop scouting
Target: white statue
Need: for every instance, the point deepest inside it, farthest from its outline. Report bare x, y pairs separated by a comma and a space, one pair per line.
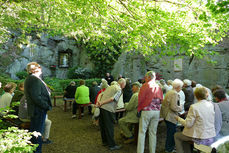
65, 60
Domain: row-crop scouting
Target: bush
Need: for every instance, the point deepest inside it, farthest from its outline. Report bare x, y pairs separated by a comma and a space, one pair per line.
88, 82
14, 139
53, 84
79, 73
59, 85
22, 74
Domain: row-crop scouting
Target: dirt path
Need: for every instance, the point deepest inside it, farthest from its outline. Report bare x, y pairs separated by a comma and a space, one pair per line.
80, 136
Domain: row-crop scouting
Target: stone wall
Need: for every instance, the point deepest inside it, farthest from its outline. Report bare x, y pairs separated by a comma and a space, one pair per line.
200, 70
43, 50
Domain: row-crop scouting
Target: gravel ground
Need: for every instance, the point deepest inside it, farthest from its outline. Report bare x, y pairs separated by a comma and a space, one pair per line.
80, 136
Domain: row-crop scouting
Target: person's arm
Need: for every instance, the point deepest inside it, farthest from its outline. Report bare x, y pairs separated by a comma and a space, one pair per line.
133, 104
173, 103
190, 119
141, 95
105, 101
115, 98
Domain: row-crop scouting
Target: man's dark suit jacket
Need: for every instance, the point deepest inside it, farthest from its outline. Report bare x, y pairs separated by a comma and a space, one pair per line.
37, 96
189, 97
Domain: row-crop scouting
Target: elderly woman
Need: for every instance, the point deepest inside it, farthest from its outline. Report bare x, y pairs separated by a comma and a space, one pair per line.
198, 125
169, 110
6, 98
81, 97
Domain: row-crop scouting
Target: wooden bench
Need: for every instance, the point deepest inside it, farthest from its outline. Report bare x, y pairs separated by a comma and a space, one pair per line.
120, 110
79, 108
68, 100
17, 123
55, 97
213, 147
24, 125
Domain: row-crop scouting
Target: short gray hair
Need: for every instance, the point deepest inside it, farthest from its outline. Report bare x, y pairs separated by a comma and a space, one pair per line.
177, 83
103, 84
151, 74
120, 81
187, 82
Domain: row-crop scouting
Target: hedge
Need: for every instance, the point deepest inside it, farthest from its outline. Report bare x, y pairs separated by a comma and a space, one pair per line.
56, 85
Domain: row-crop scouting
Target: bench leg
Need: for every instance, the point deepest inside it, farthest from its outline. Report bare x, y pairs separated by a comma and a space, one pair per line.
79, 111
70, 104
54, 103
136, 127
65, 106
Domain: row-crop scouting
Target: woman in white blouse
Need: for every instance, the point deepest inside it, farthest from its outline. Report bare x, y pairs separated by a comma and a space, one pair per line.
198, 125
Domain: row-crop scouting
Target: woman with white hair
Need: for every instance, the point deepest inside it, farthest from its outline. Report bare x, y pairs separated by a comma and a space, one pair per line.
169, 110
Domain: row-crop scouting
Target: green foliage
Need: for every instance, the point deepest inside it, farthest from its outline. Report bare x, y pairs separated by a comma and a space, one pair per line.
12, 138
177, 27
88, 82
79, 73
16, 140
22, 74
104, 55
58, 85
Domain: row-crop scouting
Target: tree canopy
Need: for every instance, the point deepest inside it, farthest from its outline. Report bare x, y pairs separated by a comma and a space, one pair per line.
165, 27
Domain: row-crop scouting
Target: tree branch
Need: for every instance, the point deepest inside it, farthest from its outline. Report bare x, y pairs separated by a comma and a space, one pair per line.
176, 3
116, 20
120, 11
120, 1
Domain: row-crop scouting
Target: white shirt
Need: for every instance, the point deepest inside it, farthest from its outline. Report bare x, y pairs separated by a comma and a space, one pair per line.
182, 100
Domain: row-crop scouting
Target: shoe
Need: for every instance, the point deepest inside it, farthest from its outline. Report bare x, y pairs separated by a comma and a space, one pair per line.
128, 141
47, 141
73, 116
115, 148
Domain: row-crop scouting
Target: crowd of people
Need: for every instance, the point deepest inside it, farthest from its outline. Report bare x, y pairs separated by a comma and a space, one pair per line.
202, 114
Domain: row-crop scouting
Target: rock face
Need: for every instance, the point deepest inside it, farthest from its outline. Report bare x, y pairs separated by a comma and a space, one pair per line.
46, 51
200, 70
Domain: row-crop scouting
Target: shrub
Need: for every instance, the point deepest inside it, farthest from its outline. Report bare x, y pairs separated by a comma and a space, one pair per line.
14, 139
79, 73
88, 82
22, 74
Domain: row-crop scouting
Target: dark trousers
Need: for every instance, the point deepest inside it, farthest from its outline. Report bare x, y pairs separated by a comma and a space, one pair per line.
37, 124
89, 109
106, 123
74, 108
118, 115
171, 130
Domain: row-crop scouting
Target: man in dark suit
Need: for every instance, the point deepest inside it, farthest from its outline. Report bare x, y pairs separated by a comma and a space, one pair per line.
38, 100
